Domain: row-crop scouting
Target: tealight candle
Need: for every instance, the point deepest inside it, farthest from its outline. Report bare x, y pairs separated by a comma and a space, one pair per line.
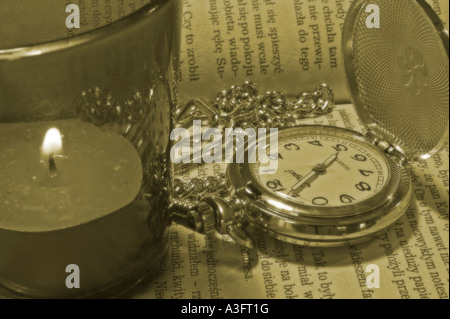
98, 173
62, 190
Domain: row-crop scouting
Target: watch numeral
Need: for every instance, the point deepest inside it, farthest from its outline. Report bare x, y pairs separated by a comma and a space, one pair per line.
363, 187
366, 173
340, 148
292, 147
276, 186
316, 143
360, 158
347, 199
320, 201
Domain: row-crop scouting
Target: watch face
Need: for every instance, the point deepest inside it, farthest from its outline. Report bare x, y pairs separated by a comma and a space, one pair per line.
325, 168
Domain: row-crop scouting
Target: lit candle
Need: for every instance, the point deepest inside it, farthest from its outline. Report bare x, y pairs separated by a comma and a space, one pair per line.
52, 145
71, 197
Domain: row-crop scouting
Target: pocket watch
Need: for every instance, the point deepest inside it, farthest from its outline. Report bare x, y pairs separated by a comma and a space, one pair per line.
333, 185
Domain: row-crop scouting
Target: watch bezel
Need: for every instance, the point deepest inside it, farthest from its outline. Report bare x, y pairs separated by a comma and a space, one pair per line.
241, 175
296, 222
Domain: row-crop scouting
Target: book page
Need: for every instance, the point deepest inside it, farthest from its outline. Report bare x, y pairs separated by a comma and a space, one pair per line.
412, 256
285, 45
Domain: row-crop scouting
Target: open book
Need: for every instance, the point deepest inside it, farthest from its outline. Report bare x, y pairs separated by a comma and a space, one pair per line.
291, 46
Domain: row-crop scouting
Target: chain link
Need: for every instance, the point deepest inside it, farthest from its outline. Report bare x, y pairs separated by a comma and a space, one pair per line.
196, 187
245, 107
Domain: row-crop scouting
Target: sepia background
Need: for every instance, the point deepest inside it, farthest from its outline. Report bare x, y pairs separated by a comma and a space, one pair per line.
413, 256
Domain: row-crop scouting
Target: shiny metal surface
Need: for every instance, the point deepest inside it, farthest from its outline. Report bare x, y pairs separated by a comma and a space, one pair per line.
315, 226
398, 74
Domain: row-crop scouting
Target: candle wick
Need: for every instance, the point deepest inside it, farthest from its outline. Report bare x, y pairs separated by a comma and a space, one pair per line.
52, 165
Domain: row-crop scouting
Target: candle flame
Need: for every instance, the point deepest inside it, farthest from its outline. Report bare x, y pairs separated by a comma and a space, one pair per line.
52, 142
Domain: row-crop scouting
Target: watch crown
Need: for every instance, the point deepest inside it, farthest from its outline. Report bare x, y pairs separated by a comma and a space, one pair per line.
208, 217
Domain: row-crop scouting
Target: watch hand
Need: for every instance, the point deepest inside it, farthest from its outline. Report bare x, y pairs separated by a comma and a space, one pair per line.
319, 169
333, 158
303, 183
